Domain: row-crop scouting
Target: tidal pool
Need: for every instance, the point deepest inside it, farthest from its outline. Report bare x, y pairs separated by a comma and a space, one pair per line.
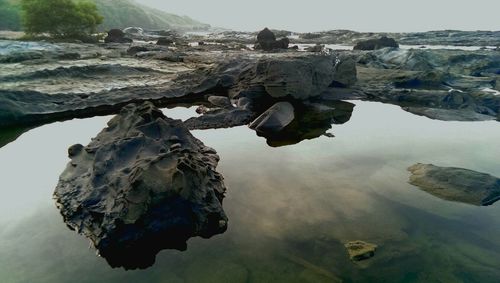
290, 208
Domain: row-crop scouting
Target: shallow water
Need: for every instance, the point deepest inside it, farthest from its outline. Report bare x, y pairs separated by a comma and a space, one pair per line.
290, 208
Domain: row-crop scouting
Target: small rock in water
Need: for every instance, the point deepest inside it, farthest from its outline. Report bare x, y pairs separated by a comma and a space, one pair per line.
359, 250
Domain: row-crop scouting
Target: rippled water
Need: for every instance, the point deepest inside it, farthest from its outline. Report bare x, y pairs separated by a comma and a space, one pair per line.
290, 208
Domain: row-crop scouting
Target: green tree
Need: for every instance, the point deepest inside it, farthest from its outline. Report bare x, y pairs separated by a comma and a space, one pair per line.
60, 18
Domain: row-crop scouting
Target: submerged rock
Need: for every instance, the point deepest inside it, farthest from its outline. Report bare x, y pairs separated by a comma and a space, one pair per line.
359, 250
374, 44
142, 185
456, 184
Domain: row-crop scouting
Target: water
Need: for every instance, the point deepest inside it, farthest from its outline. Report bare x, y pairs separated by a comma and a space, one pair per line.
290, 208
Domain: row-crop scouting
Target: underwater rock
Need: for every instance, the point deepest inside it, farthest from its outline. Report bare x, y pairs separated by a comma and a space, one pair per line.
456, 184
142, 185
359, 250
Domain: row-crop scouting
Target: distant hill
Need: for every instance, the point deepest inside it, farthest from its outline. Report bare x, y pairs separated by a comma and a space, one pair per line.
127, 13
116, 13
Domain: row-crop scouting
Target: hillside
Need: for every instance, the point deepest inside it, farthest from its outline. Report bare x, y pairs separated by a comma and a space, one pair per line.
117, 14
9, 16
126, 13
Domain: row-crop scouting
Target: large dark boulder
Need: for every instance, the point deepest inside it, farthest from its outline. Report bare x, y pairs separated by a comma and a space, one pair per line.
266, 35
373, 44
266, 40
300, 77
142, 185
117, 36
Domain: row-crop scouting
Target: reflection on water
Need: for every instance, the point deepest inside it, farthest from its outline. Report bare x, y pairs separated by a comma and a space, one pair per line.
311, 121
290, 208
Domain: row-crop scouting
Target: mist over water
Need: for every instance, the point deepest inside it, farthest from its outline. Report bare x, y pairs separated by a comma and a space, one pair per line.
359, 15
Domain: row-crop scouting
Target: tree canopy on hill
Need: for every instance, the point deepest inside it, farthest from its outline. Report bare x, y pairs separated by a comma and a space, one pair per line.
117, 14
60, 18
10, 18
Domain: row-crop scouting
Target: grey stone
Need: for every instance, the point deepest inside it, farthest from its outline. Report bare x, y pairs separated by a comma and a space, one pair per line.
132, 198
360, 250
274, 119
456, 184
220, 101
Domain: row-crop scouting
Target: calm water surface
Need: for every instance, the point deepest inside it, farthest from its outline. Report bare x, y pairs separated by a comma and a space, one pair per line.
290, 208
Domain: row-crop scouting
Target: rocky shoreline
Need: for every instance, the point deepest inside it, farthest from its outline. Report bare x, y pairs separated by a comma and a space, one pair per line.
143, 166
440, 84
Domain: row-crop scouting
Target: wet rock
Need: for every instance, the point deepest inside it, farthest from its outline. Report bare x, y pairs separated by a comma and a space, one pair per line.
261, 81
300, 77
18, 57
345, 73
373, 44
165, 41
312, 120
219, 118
68, 56
142, 185
315, 48
136, 49
220, 101
274, 119
359, 250
456, 184
116, 36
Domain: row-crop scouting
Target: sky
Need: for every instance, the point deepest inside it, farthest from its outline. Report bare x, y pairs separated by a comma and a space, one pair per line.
318, 15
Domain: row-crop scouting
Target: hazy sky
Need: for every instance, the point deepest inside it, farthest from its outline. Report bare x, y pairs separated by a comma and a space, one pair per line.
316, 15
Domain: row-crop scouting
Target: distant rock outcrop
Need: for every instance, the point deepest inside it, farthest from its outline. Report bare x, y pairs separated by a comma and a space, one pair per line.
142, 185
373, 44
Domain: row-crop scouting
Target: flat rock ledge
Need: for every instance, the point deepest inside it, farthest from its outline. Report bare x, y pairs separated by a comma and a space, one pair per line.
456, 184
142, 185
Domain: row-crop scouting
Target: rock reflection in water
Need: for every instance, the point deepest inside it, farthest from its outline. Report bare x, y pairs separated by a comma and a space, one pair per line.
311, 120
142, 185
